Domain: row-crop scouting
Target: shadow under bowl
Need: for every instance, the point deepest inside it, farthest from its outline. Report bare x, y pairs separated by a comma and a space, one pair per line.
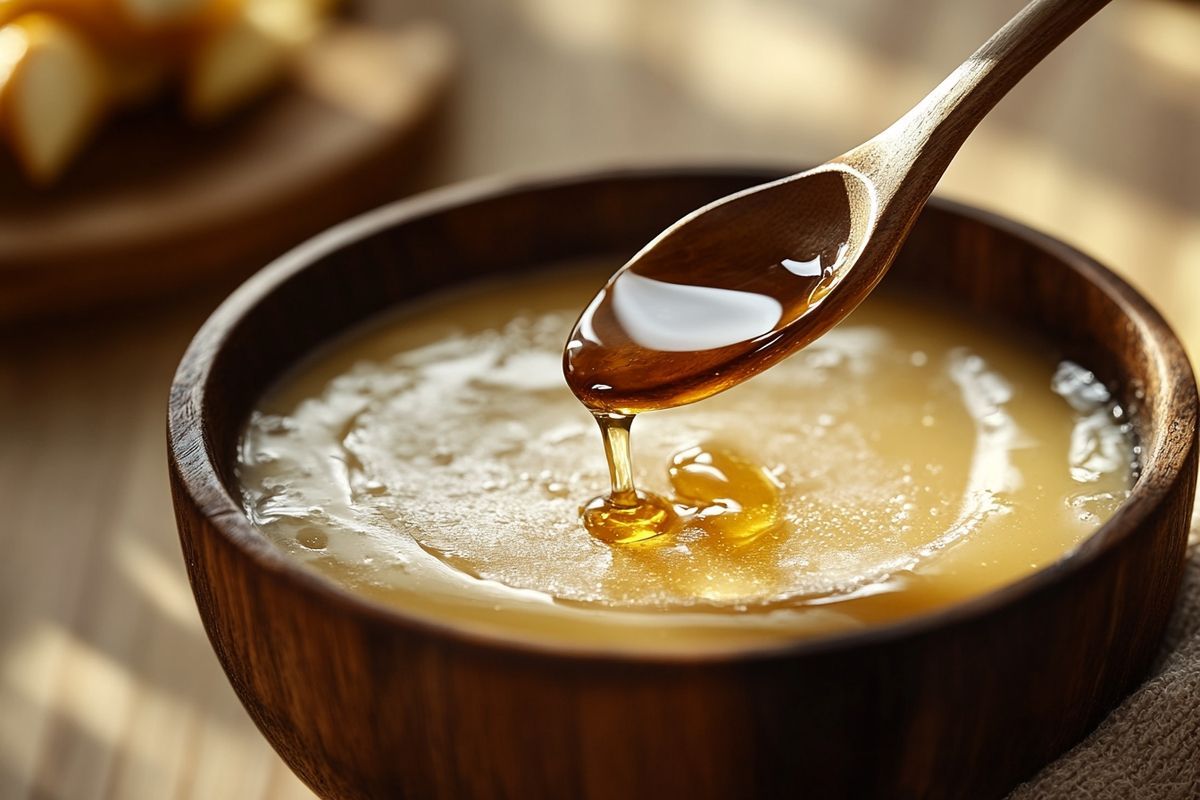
366, 701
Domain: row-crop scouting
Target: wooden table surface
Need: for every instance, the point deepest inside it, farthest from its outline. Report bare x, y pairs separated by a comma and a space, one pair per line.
108, 688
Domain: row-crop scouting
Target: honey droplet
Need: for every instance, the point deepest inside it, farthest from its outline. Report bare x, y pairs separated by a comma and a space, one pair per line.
614, 523
312, 538
733, 496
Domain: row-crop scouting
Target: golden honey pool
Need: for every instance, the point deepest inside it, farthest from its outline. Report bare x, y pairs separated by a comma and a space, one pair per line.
910, 458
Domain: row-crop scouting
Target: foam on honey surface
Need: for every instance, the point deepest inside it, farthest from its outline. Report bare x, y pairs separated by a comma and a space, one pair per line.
907, 459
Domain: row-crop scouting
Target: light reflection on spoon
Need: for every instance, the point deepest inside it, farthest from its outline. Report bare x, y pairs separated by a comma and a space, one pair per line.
676, 318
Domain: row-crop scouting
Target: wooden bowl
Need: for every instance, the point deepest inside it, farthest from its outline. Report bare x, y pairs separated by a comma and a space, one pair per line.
366, 701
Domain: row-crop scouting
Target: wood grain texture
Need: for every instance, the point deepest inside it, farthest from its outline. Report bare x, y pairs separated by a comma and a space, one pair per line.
108, 687
364, 702
156, 205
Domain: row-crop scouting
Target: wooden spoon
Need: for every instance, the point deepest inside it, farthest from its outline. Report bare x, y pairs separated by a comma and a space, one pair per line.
736, 286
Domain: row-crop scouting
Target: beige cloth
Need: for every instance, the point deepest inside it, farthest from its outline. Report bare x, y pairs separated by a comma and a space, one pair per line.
1149, 747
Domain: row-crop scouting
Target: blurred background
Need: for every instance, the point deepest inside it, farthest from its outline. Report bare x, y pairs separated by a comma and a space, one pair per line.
173, 155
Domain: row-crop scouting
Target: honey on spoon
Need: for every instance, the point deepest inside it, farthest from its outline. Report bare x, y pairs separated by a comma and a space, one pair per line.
736, 286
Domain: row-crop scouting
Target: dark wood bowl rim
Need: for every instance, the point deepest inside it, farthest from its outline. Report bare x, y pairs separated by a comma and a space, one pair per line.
187, 432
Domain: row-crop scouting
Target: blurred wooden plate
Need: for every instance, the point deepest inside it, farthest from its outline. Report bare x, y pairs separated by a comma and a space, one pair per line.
154, 204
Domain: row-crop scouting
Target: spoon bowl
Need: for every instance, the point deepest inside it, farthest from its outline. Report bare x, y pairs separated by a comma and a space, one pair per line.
725, 293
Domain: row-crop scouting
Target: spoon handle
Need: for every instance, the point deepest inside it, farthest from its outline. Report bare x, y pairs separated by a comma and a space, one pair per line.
910, 156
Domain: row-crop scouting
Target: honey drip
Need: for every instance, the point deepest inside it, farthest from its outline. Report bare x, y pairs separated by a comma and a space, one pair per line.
715, 489
625, 515
656, 337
